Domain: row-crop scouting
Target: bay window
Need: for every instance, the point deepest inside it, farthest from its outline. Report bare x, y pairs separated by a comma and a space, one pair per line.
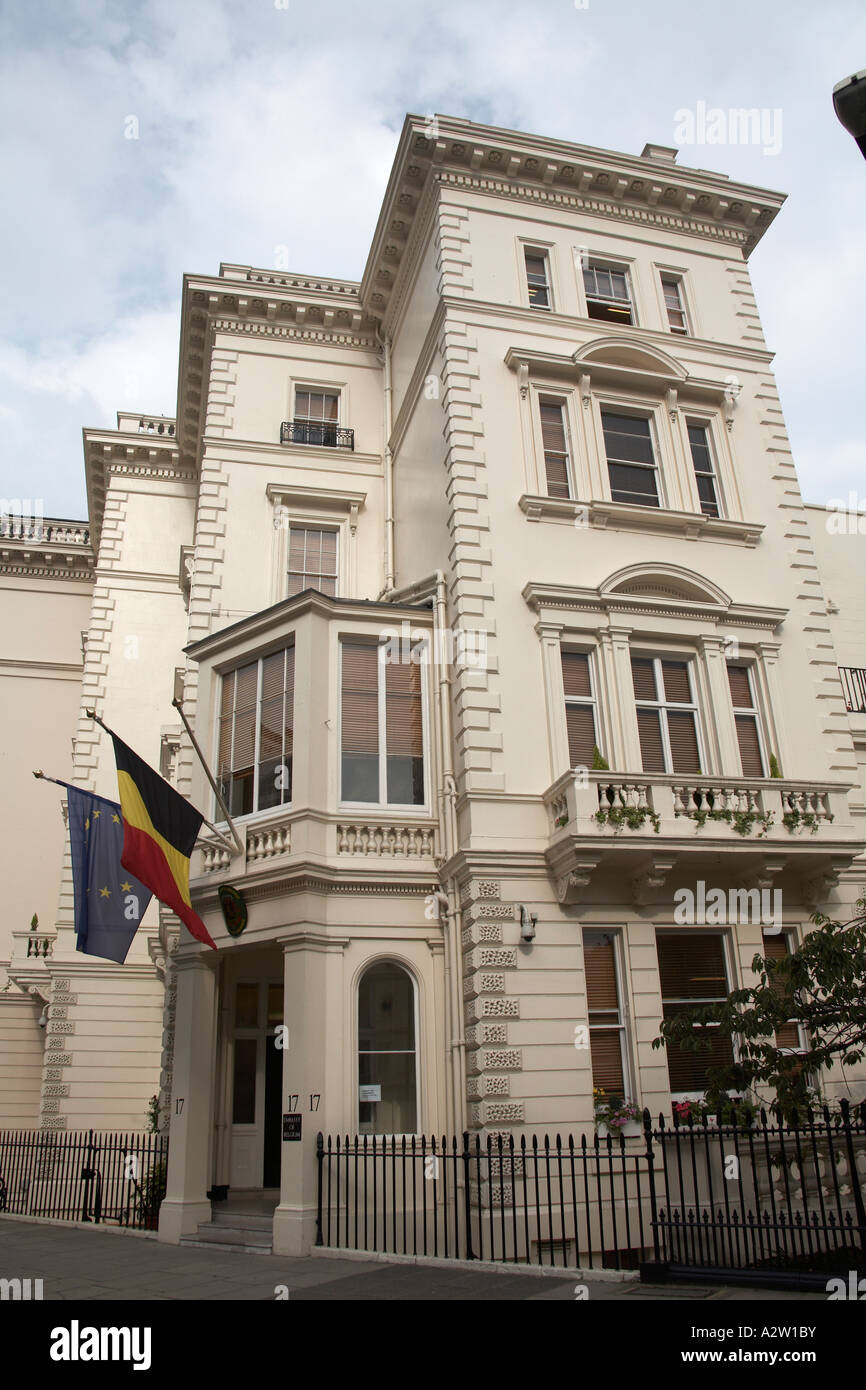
382, 745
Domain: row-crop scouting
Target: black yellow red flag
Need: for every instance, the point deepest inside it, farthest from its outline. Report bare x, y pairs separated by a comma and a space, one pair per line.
160, 829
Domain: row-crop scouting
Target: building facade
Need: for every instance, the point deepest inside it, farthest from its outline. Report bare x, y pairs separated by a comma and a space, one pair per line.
489, 591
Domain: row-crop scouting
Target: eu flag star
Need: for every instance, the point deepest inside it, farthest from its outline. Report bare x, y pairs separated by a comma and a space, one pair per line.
105, 892
96, 815
87, 824
115, 820
126, 887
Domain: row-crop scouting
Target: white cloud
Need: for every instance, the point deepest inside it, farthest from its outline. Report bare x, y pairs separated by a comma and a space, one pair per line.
262, 126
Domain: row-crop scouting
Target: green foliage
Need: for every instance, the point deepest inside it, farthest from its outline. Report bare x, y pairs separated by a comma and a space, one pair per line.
822, 986
562, 820
632, 816
153, 1115
742, 821
153, 1188
599, 763
775, 771
792, 819
34, 923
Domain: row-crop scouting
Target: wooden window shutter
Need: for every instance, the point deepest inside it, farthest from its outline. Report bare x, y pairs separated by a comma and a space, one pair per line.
692, 968
676, 678
741, 694
750, 746
643, 678
580, 724
684, 741
606, 1056
403, 710
599, 963
360, 721
555, 449
579, 719
575, 674
273, 687
651, 748
599, 960
776, 948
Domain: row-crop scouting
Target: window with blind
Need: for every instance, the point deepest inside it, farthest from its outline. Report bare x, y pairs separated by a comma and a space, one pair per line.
606, 1026
667, 716
702, 462
579, 708
382, 736
255, 733
631, 463
312, 560
674, 305
387, 1051
537, 278
554, 441
317, 405
746, 721
693, 971
777, 948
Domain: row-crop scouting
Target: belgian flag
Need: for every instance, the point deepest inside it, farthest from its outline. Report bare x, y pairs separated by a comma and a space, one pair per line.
160, 829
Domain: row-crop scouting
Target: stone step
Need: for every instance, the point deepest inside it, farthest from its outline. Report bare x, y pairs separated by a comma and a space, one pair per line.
196, 1243
237, 1236
243, 1220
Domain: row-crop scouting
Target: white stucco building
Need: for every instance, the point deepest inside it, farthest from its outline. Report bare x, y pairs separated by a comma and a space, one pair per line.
541, 442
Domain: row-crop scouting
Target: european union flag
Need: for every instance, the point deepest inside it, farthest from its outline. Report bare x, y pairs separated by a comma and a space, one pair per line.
109, 902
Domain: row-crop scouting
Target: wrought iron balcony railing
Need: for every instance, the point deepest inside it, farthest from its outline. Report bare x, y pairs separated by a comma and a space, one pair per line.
319, 432
853, 680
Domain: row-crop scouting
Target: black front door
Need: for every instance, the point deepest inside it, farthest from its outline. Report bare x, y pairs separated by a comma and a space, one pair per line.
273, 1112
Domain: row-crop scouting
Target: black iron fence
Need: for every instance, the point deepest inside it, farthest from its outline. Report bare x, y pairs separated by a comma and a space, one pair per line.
853, 680
760, 1196
83, 1175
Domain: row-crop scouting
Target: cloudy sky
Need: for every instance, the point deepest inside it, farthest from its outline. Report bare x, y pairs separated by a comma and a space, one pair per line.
265, 124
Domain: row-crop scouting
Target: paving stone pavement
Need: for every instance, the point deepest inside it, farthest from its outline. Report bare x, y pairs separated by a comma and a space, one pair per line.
105, 1263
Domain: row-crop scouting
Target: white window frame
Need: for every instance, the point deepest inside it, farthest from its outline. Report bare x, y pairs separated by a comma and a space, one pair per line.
704, 423
671, 277
619, 266
688, 1004
581, 700
606, 406
544, 397
753, 710
298, 523
317, 389
692, 708
368, 965
537, 248
405, 808
258, 658
622, 1010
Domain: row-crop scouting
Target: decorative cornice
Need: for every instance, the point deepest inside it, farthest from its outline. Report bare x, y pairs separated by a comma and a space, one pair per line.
544, 598
267, 329
462, 155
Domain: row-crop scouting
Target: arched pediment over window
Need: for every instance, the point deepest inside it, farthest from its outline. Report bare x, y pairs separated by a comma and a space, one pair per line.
631, 355
663, 582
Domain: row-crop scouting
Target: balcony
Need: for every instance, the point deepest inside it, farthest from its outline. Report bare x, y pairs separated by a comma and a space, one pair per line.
320, 433
647, 825
853, 680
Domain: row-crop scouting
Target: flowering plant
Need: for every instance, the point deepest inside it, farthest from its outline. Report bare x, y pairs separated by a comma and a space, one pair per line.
689, 1110
614, 1111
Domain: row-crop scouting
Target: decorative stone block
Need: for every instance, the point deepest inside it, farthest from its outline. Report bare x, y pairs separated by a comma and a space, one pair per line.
60, 982
497, 1086
53, 1121
500, 1008
56, 1090
63, 997
56, 1025
494, 1032
505, 957
503, 1059
58, 1059
504, 1112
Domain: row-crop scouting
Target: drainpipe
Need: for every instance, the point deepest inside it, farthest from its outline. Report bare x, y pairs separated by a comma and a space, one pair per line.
448, 816
389, 469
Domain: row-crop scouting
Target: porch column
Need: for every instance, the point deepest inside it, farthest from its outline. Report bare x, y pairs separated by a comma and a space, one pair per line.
312, 1016
191, 1126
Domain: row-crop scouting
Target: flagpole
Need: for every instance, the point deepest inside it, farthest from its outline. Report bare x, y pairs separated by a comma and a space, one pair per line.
238, 845
178, 705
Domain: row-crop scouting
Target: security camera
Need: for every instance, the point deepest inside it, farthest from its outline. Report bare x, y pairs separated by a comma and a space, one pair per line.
527, 924
43, 1017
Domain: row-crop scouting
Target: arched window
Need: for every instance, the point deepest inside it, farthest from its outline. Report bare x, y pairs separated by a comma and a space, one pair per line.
387, 1059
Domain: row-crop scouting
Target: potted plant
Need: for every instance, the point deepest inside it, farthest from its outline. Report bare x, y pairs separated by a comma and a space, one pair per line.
690, 1112
152, 1192
615, 1115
